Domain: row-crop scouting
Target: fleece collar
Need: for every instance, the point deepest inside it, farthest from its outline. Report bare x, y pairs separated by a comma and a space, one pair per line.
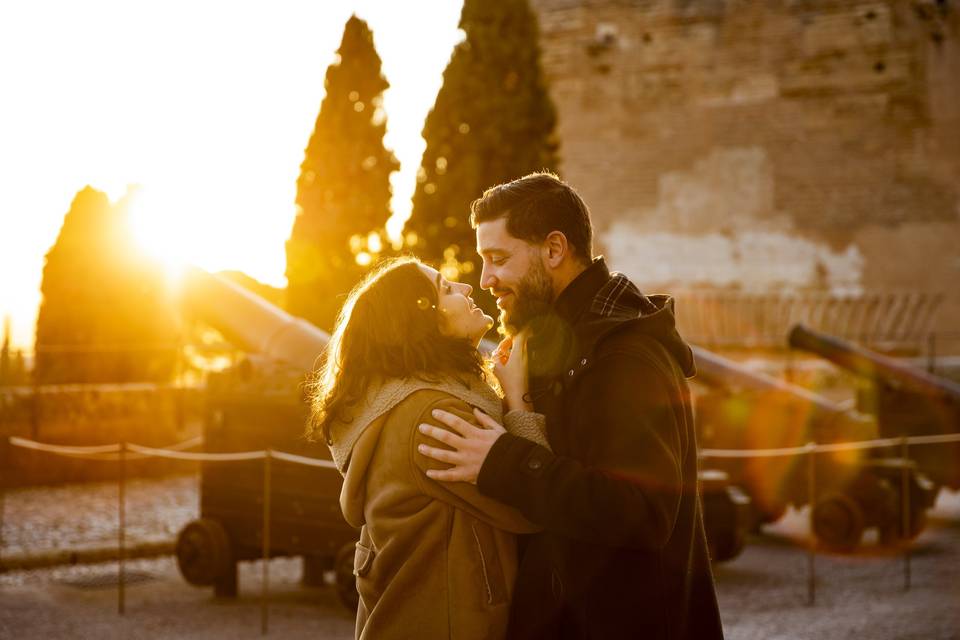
383, 397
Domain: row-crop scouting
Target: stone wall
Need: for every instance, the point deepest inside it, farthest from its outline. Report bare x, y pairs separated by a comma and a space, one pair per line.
78, 415
820, 137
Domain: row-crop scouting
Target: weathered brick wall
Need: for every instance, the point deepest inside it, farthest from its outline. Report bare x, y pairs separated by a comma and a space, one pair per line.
807, 118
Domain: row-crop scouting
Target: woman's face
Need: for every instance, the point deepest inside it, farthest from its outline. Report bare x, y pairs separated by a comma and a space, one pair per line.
459, 316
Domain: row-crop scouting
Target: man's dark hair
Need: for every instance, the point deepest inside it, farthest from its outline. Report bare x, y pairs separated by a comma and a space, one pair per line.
535, 206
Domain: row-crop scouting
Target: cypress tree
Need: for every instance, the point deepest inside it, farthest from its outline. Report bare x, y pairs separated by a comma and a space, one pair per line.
106, 314
6, 376
493, 121
343, 192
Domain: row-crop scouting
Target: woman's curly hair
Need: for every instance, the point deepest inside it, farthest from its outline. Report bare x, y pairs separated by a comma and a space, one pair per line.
389, 327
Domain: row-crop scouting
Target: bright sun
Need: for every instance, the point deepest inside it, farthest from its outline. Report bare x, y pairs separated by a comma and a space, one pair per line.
153, 234
213, 128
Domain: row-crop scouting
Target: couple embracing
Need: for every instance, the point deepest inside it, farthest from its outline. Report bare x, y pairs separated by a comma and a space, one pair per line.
549, 493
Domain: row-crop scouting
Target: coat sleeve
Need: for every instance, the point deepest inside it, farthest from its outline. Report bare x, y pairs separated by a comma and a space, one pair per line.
629, 495
462, 495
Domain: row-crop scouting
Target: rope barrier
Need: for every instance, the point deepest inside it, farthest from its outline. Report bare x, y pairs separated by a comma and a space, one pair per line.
312, 462
61, 449
199, 457
111, 452
829, 448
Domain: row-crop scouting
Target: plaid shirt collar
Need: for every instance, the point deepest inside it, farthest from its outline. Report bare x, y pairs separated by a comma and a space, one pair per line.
601, 292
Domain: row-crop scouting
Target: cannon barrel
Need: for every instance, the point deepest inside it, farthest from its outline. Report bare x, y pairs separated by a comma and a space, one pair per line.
874, 366
717, 371
251, 323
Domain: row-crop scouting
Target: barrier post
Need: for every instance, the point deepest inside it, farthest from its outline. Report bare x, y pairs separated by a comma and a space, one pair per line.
5, 460
121, 528
266, 544
906, 524
812, 548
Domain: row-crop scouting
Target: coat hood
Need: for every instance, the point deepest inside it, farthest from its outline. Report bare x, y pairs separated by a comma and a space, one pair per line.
616, 305
654, 316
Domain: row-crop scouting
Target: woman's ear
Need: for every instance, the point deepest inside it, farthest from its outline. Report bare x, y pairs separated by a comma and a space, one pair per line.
555, 248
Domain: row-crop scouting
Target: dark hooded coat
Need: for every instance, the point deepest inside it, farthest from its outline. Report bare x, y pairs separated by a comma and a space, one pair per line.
623, 552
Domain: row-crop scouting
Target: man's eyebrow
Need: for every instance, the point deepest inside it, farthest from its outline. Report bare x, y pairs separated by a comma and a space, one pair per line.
493, 250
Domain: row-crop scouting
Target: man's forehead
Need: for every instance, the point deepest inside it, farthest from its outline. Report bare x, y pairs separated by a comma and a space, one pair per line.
492, 235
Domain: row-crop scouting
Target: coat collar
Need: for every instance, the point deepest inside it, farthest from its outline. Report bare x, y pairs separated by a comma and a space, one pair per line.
386, 395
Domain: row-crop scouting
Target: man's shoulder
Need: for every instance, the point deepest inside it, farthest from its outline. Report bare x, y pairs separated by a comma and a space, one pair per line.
631, 341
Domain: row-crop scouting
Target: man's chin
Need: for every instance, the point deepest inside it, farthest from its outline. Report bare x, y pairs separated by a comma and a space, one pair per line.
510, 326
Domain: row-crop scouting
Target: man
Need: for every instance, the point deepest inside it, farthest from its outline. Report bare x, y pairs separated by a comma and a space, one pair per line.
622, 553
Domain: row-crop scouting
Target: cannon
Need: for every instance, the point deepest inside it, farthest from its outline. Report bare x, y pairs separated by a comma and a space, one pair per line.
854, 490
906, 401
255, 405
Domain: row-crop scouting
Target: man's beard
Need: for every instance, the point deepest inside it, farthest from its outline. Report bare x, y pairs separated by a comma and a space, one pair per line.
533, 297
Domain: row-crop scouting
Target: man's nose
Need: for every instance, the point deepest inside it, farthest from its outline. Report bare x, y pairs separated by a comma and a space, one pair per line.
487, 279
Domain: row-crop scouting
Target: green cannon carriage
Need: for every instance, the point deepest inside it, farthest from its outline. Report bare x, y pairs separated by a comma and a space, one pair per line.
853, 489
254, 406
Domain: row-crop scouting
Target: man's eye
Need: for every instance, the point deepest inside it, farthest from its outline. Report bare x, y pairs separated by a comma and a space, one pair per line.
497, 261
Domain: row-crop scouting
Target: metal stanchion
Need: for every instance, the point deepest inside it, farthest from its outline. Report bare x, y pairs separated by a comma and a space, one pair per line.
266, 544
906, 523
121, 529
812, 548
5, 459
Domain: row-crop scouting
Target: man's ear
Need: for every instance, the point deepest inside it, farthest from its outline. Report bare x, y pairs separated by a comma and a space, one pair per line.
555, 249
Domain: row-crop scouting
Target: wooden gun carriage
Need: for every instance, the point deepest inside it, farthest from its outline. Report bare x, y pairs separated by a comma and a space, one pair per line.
853, 490
255, 406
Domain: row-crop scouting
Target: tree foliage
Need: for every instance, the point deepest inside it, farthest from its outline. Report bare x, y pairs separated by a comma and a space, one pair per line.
12, 369
343, 192
106, 314
493, 121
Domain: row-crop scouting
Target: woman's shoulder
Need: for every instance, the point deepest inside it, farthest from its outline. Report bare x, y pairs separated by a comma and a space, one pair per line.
424, 400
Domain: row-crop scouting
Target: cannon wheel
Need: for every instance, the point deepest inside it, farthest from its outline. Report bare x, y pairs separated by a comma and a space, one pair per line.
838, 522
205, 557
346, 581
726, 544
892, 533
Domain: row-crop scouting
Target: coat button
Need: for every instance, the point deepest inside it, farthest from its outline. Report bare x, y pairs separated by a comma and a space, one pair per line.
583, 362
534, 463
556, 585
570, 373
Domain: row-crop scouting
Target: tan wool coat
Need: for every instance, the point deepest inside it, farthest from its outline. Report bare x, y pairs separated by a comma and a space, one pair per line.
435, 560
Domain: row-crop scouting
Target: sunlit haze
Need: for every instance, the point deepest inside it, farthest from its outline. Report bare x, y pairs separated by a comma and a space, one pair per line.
207, 105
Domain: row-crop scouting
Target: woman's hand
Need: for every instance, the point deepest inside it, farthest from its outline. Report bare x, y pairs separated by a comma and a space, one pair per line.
510, 367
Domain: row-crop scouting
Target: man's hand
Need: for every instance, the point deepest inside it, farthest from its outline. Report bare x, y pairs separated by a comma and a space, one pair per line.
470, 448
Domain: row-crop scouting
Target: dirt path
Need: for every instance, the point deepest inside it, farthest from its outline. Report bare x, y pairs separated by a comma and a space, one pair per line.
762, 593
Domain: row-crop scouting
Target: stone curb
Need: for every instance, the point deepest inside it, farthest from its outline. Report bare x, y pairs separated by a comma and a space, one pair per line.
42, 559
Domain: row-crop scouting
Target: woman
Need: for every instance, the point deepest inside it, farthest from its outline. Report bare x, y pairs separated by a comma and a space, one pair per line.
434, 560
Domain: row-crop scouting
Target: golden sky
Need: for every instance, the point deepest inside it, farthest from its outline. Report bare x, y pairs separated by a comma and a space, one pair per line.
207, 105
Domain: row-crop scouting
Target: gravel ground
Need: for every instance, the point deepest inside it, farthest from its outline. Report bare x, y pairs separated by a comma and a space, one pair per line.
763, 593
85, 515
